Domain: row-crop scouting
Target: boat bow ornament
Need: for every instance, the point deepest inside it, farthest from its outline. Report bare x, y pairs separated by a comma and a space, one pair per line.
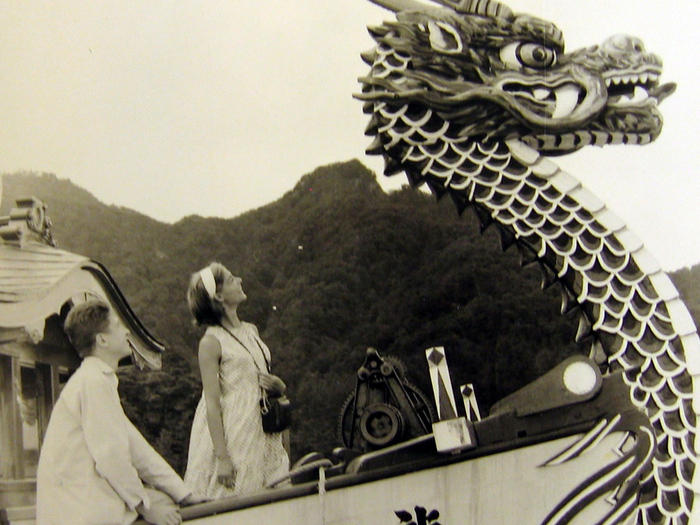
467, 97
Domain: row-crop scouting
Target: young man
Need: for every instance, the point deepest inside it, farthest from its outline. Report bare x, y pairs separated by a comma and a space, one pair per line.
93, 461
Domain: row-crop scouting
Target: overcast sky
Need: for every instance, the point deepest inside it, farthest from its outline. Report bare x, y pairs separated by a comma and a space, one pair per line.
217, 107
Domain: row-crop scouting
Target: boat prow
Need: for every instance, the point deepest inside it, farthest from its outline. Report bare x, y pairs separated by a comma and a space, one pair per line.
568, 448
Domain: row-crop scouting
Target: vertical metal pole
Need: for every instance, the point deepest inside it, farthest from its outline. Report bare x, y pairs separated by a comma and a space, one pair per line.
322, 493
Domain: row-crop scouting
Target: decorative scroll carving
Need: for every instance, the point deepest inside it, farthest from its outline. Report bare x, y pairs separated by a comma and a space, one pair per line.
27, 221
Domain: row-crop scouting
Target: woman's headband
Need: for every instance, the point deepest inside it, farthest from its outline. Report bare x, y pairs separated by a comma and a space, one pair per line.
208, 281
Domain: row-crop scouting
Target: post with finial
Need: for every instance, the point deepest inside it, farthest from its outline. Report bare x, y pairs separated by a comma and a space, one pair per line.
471, 407
452, 432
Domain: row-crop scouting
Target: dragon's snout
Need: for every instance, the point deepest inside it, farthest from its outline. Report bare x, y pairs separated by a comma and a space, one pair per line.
631, 73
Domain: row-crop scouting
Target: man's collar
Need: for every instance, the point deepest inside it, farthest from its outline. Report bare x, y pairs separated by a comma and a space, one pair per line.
98, 364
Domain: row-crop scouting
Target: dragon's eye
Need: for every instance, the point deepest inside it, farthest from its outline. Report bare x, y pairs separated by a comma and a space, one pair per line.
528, 54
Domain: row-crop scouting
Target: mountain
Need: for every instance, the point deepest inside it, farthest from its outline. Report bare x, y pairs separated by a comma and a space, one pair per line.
331, 268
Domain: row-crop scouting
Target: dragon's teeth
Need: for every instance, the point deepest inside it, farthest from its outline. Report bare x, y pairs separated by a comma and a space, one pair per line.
642, 78
639, 94
567, 98
541, 93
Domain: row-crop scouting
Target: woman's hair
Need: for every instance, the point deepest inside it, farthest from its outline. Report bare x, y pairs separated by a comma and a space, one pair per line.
204, 308
84, 322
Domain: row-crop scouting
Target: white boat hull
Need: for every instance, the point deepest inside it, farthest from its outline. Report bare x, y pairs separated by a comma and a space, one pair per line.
513, 487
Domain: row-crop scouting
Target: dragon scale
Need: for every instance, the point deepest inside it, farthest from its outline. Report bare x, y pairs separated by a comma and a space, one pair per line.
469, 98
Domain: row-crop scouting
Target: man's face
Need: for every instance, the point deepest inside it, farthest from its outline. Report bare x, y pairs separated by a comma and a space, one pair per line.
116, 337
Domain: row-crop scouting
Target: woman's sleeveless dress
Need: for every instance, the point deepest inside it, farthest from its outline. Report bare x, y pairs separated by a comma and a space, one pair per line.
258, 457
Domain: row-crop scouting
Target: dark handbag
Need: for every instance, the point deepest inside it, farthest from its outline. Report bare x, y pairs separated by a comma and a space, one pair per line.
276, 413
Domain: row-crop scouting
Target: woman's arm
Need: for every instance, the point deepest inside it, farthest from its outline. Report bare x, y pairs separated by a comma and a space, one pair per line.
209, 361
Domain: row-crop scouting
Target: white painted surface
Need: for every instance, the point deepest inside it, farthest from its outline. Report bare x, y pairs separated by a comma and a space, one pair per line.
511, 487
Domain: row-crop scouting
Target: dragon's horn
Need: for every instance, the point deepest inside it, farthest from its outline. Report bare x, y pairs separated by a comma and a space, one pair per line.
400, 5
489, 8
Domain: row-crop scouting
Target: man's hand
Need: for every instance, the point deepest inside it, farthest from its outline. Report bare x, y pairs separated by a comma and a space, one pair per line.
161, 513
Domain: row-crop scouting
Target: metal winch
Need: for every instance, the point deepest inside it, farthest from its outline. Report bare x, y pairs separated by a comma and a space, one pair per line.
384, 409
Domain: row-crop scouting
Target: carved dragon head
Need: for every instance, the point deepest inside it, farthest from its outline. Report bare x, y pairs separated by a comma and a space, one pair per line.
457, 93
488, 73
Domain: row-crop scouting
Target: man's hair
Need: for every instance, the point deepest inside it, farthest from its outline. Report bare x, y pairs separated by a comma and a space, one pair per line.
84, 322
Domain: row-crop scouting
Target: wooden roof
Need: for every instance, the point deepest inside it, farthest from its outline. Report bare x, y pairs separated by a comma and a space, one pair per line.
38, 281
28, 273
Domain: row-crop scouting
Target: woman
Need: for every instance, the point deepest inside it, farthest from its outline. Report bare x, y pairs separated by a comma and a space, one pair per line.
229, 453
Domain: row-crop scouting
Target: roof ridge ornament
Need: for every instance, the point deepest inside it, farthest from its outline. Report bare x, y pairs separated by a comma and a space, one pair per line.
27, 222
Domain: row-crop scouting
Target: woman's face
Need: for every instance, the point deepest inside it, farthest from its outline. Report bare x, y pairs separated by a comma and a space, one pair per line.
231, 291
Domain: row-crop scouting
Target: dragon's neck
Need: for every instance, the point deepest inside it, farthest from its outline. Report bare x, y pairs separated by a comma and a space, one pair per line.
629, 309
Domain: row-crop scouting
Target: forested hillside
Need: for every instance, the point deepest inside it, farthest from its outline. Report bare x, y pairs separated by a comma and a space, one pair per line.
333, 267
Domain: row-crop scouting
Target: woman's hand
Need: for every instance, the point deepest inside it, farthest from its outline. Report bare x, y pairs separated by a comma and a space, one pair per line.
192, 499
226, 472
272, 384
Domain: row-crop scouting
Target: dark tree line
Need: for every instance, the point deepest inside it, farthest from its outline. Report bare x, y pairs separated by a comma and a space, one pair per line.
333, 267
